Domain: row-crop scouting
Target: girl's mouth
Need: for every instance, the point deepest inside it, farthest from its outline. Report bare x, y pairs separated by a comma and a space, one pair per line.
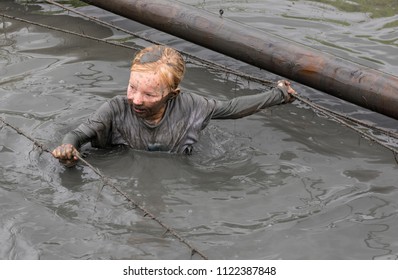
138, 110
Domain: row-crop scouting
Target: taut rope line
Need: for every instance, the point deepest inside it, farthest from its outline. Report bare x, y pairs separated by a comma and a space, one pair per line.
190, 58
342, 122
106, 181
68, 32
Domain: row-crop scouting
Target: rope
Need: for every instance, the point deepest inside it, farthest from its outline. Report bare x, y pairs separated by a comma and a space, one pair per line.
107, 182
67, 31
387, 132
342, 122
190, 58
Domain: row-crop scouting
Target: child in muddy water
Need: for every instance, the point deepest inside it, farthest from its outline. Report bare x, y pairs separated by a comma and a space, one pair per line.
155, 115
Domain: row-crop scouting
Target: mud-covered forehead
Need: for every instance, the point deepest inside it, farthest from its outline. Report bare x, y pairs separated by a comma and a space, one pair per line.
152, 55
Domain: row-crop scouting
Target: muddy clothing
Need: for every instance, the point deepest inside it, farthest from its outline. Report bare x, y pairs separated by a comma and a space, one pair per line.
115, 123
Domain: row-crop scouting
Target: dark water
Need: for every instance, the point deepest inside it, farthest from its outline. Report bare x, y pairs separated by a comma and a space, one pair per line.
282, 184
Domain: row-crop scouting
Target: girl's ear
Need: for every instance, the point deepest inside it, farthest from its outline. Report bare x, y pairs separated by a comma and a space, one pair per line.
174, 93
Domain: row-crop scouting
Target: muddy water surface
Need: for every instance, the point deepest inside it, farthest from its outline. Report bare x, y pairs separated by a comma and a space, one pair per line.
282, 184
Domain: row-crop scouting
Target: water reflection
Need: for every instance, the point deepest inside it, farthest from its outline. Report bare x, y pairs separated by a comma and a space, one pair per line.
360, 31
375, 9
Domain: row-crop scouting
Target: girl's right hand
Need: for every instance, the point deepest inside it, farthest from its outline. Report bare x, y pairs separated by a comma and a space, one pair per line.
67, 154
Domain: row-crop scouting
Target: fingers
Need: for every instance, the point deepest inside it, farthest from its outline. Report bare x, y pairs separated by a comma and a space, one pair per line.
286, 85
282, 83
291, 91
68, 163
65, 152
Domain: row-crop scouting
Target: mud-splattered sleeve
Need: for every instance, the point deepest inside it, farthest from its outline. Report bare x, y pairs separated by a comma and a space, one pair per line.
97, 129
246, 105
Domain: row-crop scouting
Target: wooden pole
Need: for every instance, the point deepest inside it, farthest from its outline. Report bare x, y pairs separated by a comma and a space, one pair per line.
357, 84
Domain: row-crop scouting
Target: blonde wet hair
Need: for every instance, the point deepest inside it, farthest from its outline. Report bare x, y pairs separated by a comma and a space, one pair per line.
164, 60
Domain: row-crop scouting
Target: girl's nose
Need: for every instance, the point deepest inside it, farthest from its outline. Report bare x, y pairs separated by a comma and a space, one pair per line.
137, 100
134, 97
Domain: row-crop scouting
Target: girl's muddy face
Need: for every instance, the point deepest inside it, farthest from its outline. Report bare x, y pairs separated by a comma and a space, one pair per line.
147, 94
